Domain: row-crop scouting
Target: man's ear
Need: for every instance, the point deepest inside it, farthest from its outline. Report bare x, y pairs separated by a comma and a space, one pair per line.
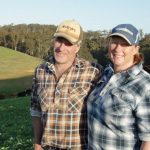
77, 48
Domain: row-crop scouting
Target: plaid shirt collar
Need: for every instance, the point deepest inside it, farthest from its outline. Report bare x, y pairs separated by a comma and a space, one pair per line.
109, 71
51, 61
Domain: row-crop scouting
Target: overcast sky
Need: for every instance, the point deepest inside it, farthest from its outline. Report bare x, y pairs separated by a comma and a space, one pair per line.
91, 14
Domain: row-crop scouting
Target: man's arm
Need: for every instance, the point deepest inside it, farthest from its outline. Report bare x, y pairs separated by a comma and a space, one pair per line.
145, 145
38, 130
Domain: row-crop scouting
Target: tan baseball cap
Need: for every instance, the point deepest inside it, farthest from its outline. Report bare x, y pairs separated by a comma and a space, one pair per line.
70, 30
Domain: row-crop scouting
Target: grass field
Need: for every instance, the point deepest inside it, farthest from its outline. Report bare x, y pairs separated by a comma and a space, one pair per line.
14, 64
15, 124
11, 87
16, 71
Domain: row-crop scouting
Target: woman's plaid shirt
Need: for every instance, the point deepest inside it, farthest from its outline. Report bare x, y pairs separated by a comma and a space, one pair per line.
119, 110
62, 104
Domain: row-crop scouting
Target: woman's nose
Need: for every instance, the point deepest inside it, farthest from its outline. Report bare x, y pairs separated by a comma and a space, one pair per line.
118, 47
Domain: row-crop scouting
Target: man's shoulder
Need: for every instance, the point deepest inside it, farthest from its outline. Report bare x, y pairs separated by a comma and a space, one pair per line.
46, 63
86, 63
97, 65
41, 66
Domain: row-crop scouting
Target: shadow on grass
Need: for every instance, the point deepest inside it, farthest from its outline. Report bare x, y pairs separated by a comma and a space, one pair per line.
16, 131
10, 87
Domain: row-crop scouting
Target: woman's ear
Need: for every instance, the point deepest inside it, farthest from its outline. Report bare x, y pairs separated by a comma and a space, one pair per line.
137, 49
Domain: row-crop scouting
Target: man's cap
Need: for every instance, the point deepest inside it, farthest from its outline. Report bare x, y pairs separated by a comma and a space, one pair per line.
70, 30
127, 32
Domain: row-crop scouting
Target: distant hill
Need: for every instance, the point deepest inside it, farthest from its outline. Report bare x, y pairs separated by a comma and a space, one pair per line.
14, 64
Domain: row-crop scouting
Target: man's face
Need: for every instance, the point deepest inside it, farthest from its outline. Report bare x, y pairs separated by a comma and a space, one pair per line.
121, 53
64, 51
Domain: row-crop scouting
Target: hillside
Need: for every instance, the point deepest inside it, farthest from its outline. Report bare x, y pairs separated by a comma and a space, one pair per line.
15, 64
16, 72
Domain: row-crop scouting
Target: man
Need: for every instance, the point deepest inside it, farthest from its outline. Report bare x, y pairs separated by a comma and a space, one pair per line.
60, 88
119, 106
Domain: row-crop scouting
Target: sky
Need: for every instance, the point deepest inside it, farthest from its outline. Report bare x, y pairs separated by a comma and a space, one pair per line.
93, 15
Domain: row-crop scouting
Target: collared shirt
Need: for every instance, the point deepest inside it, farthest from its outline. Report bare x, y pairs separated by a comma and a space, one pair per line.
119, 110
62, 104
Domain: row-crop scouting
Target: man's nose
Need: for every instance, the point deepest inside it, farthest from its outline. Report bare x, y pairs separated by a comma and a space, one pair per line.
60, 47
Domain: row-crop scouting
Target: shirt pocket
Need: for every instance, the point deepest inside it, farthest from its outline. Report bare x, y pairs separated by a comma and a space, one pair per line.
43, 98
77, 97
117, 102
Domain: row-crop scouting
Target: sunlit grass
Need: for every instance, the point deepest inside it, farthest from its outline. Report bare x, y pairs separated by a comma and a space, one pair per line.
14, 64
16, 71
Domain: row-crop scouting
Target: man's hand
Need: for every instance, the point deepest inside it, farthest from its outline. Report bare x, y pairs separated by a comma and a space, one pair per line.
37, 147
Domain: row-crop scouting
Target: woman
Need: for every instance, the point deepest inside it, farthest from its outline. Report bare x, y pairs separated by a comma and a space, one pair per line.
119, 106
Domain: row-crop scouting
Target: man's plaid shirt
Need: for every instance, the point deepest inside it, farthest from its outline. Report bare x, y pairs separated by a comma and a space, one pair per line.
62, 104
119, 110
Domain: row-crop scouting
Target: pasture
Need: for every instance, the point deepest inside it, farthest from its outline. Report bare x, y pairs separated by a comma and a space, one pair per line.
16, 75
16, 71
15, 124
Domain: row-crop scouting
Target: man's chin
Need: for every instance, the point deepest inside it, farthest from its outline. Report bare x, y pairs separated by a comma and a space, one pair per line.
60, 62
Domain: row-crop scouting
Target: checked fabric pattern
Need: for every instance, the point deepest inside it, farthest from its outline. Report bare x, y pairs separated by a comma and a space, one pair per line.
62, 104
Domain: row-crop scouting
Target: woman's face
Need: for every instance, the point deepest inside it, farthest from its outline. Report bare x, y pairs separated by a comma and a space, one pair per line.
121, 53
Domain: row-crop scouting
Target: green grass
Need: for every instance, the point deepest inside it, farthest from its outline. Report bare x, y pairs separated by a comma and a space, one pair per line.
16, 71
14, 64
15, 124
10, 87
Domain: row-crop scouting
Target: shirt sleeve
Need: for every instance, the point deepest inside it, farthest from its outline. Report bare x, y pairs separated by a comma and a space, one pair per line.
97, 72
143, 117
35, 109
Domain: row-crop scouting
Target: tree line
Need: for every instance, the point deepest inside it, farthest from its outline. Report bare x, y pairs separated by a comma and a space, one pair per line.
35, 40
